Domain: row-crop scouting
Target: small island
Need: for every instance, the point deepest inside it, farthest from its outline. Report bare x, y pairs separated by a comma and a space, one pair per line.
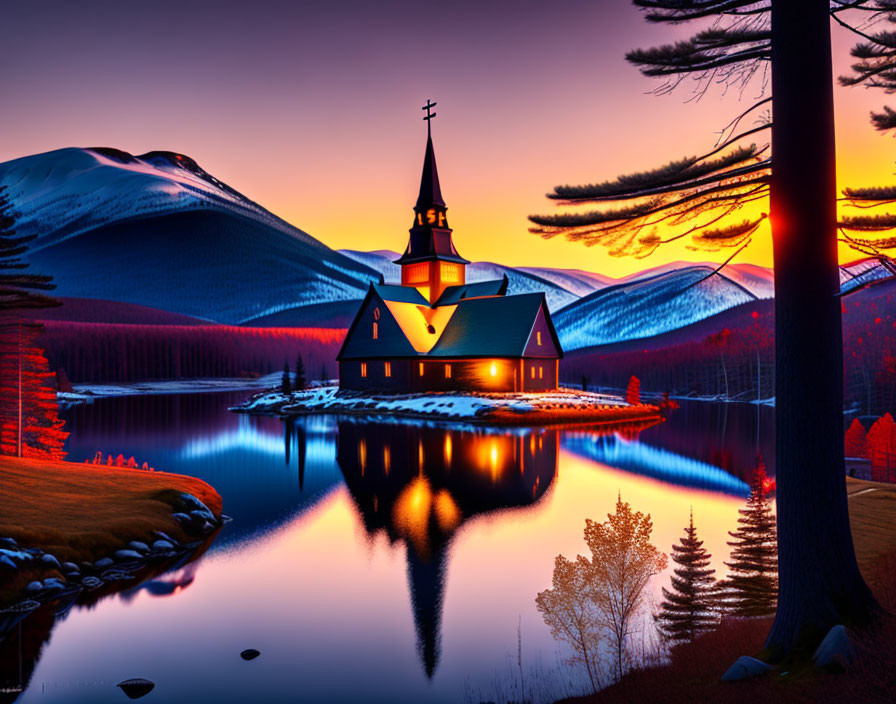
561, 406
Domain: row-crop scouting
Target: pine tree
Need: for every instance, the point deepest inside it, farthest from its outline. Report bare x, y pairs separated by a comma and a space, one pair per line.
300, 382
17, 289
633, 392
854, 442
751, 588
688, 608
793, 178
285, 387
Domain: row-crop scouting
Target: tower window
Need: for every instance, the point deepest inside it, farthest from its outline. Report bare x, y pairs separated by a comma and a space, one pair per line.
538, 337
376, 331
450, 273
416, 273
363, 370
447, 371
388, 369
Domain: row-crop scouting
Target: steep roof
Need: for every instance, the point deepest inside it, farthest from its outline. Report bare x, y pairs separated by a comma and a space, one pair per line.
430, 190
454, 294
490, 327
400, 294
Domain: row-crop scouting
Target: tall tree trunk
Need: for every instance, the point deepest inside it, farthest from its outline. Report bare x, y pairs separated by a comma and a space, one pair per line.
820, 584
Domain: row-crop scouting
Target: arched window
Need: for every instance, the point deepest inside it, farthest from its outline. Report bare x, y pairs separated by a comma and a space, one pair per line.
388, 368
447, 371
376, 331
363, 370
538, 337
541, 372
533, 372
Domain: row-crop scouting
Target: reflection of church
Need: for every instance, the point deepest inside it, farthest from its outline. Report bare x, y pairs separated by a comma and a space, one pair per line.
435, 331
420, 484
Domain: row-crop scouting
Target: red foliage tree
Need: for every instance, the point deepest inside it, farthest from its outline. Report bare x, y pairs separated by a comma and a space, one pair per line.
854, 440
881, 447
25, 375
633, 392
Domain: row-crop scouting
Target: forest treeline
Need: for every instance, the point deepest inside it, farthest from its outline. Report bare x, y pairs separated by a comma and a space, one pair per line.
112, 352
738, 362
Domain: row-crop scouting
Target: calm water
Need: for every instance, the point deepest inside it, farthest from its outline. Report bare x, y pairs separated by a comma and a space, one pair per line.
373, 561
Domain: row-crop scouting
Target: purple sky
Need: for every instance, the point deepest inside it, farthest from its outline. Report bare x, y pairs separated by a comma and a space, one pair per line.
312, 108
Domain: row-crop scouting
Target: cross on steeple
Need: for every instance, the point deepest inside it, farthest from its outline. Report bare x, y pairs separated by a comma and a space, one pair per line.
429, 114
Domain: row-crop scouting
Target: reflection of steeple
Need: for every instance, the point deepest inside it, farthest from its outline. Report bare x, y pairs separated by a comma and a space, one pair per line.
422, 502
426, 582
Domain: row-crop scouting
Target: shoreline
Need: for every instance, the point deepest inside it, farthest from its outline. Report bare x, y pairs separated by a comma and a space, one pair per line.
560, 407
67, 529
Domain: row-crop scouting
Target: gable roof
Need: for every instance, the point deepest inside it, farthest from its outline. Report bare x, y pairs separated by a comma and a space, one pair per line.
490, 327
455, 294
391, 340
400, 294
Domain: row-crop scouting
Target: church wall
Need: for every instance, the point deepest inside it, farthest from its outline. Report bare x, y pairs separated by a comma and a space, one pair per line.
539, 374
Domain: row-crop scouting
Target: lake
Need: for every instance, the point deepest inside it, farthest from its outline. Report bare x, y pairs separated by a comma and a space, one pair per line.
376, 560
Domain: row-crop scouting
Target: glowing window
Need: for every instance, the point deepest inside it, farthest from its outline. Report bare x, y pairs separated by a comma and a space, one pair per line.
363, 369
450, 273
388, 368
416, 273
376, 331
533, 372
538, 337
494, 369
447, 371
541, 372
421, 368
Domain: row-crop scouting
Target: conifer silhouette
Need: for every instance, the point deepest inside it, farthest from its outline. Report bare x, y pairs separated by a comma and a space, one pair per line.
285, 386
300, 382
751, 588
688, 608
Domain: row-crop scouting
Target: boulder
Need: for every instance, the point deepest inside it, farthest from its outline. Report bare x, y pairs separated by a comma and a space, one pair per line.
91, 582
744, 668
8, 543
104, 562
162, 546
70, 567
136, 687
836, 650
35, 586
138, 546
50, 560
6, 562
125, 555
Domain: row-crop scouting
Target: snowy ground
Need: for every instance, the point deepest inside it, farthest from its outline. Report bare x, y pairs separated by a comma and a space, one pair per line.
83, 393
565, 405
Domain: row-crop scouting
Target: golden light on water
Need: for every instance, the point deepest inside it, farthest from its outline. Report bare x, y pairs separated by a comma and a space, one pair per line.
493, 370
447, 448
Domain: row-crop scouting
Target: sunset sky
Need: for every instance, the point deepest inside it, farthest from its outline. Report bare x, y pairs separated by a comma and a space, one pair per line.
312, 109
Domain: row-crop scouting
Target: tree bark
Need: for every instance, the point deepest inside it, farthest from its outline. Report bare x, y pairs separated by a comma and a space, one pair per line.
820, 584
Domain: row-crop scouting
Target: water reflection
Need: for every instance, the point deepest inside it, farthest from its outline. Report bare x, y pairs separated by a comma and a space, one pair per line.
450, 530
419, 485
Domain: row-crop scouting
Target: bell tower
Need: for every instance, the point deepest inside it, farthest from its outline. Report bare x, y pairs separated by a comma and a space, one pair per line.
430, 262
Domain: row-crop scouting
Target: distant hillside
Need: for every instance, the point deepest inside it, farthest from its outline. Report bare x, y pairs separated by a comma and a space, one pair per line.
89, 310
157, 230
648, 306
733, 351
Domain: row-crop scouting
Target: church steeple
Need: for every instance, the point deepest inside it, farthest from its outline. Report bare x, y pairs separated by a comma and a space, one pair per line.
430, 262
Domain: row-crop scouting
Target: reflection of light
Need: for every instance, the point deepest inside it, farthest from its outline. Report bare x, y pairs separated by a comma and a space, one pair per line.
447, 449
494, 458
411, 513
447, 512
494, 369
420, 455
362, 454
655, 462
387, 459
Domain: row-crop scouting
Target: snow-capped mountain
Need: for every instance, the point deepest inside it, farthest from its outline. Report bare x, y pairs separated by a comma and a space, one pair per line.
519, 280
157, 230
648, 306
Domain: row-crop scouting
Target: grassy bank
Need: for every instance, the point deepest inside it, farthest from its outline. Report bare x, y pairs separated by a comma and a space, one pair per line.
81, 512
694, 673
